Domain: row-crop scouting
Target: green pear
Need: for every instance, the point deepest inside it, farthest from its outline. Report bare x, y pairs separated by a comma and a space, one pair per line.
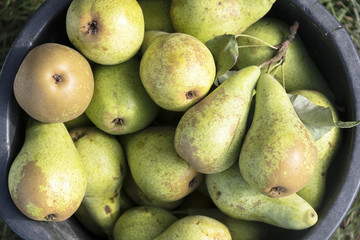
279, 154
236, 198
157, 15
239, 229
106, 32
47, 179
298, 71
120, 104
196, 227
210, 133
140, 198
156, 167
105, 166
327, 146
142, 223
80, 121
177, 70
149, 37
206, 19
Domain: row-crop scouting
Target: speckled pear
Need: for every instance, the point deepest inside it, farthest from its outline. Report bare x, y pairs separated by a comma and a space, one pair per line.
120, 104
47, 180
327, 146
196, 227
141, 199
105, 166
142, 223
279, 154
236, 198
156, 167
210, 133
206, 19
177, 70
106, 31
238, 228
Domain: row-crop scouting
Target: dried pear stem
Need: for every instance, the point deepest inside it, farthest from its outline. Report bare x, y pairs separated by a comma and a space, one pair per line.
281, 52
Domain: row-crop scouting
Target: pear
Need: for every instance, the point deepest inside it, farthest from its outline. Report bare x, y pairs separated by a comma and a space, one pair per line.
140, 198
58, 91
327, 146
236, 198
80, 121
196, 227
157, 15
239, 229
206, 19
156, 167
106, 32
142, 223
47, 180
120, 104
210, 133
105, 166
299, 70
149, 37
177, 70
279, 154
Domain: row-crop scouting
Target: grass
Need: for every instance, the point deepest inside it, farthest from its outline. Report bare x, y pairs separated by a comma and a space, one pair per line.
14, 14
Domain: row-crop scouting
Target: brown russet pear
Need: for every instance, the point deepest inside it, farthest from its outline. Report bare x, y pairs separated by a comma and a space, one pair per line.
105, 167
210, 133
142, 223
177, 70
327, 146
206, 19
54, 83
156, 167
298, 71
47, 180
196, 227
279, 154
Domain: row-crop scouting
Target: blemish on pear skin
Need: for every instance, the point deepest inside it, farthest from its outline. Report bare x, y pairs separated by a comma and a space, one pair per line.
107, 209
218, 194
193, 182
30, 189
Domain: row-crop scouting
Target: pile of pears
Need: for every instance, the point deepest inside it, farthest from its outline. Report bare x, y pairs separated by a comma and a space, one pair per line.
174, 133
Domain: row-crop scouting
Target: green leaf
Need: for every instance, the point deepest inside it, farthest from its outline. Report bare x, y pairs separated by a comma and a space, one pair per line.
317, 119
225, 51
219, 80
217, 44
348, 124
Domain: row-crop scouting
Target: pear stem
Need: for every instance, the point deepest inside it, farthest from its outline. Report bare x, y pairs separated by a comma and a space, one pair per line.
283, 47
